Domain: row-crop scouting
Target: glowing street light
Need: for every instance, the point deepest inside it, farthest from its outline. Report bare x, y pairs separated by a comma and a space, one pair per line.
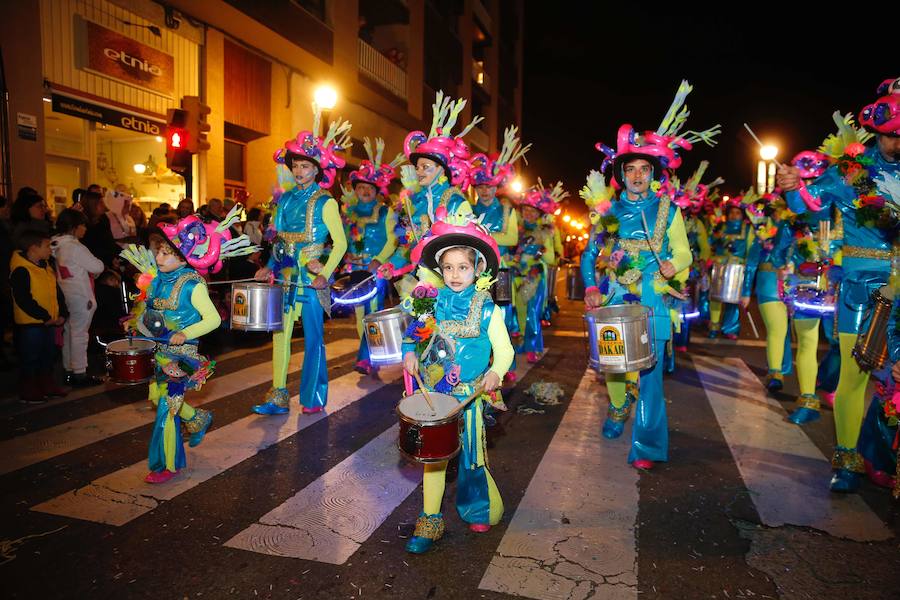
516, 185
326, 97
768, 152
566, 218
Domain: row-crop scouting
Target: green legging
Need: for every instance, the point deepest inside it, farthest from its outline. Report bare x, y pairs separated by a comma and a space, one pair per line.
616, 384
850, 397
807, 343
774, 315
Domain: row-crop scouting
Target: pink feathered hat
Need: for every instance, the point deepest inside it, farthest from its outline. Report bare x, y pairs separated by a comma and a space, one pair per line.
443, 235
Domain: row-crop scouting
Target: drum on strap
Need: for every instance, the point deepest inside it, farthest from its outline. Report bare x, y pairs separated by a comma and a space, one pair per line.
502, 290
384, 335
689, 310
257, 307
871, 349
726, 282
130, 361
353, 289
809, 292
426, 435
620, 338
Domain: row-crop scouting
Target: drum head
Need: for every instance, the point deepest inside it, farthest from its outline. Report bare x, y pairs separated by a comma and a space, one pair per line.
128, 346
348, 280
382, 315
416, 408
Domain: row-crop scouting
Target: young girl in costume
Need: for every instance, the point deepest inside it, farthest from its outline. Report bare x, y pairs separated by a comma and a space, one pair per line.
456, 331
174, 308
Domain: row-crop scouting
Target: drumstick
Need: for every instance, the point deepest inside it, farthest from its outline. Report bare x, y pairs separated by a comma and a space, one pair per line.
465, 403
752, 323
424, 391
647, 235
370, 277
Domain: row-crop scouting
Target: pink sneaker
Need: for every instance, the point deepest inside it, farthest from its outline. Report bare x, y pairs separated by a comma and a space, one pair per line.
532, 357
643, 464
479, 527
159, 476
680, 348
827, 398
879, 478
364, 367
730, 336
511, 377
313, 410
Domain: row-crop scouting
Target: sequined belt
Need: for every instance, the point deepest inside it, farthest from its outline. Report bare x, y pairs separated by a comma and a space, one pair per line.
767, 266
860, 252
293, 236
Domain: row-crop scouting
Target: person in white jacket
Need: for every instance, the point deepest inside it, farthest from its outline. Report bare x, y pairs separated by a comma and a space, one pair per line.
75, 268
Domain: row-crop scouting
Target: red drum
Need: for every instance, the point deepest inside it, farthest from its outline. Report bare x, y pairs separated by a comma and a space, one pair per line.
130, 361
426, 435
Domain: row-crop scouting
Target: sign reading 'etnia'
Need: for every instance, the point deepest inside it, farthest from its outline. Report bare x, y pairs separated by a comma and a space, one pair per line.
114, 55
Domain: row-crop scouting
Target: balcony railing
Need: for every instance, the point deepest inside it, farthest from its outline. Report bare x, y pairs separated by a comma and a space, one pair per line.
375, 65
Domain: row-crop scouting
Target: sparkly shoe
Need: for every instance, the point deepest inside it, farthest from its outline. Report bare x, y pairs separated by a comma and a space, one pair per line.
159, 476
848, 467
197, 426
532, 357
429, 529
276, 402
511, 377
775, 381
730, 336
615, 419
807, 410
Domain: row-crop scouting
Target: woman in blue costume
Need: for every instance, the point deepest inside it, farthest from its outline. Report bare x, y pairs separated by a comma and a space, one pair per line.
304, 219
639, 244
174, 308
761, 277
499, 217
729, 244
535, 253
475, 353
869, 234
371, 225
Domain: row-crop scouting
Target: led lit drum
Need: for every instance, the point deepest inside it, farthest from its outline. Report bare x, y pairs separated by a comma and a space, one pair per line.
689, 310
574, 283
130, 361
256, 307
502, 290
384, 335
353, 289
428, 435
620, 338
810, 294
871, 349
726, 282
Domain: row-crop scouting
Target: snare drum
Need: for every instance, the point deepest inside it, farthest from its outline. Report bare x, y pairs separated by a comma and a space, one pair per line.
502, 289
384, 335
353, 289
130, 361
256, 307
428, 436
871, 349
727, 281
621, 338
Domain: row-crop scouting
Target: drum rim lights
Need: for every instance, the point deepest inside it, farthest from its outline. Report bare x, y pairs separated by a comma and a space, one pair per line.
386, 358
823, 308
358, 300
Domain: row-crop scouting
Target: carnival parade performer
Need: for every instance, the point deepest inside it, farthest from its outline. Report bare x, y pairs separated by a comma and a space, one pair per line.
174, 308
371, 225
303, 219
535, 254
761, 279
639, 244
459, 343
729, 244
851, 187
487, 175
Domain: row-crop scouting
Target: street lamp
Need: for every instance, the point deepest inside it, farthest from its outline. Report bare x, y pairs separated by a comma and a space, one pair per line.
765, 169
566, 218
325, 96
516, 185
768, 152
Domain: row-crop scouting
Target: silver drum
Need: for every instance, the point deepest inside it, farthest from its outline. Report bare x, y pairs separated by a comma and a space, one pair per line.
384, 335
726, 282
502, 289
256, 307
552, 274
574, 283
621, 338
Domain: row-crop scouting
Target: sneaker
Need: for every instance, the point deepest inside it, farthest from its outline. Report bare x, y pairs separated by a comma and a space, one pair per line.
643, 464
159, 476
82, 380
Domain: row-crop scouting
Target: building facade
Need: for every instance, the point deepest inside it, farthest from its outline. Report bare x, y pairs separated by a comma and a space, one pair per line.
89, 83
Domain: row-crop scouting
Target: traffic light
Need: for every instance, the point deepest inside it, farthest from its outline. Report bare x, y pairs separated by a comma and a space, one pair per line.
197, 127
178, 157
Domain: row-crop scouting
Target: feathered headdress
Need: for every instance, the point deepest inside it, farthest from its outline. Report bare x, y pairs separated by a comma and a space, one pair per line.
484, 170
320, 151
546, 200
373, 171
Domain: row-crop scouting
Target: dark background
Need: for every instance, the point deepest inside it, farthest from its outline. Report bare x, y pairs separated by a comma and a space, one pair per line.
783, 70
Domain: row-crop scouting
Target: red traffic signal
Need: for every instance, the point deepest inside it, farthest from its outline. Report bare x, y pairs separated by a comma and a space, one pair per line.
178, 157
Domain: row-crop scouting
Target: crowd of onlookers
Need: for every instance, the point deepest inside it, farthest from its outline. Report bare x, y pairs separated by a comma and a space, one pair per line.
62, 281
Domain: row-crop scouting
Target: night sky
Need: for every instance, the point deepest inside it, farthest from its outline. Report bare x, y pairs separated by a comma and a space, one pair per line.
588, 69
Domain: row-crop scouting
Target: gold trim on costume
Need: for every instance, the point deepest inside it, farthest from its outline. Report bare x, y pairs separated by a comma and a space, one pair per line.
171, 303
860, 252
308, 235
634, 247
471, 327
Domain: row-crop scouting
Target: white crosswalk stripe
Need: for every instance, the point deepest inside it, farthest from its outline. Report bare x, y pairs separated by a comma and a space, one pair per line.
20, 452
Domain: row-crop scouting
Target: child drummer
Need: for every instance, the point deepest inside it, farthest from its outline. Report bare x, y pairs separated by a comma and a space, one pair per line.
449, 344
174, 306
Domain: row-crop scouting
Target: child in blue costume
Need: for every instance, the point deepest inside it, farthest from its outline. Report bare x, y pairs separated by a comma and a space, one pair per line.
304, 219
639, 244
729, 244
499, 217
371, 228
761, 277
475, 354
174, 308
535, 254
869, 235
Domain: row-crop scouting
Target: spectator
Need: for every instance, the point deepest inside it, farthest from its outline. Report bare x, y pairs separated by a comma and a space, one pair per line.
185, 208
39, 308
75, 269
29, 212
99, 238
139, 218
253, 226
119, 202
216, 209
6, 250
161, 214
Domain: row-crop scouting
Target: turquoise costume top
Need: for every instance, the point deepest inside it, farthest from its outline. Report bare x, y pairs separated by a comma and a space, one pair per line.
866, 249
729, 242
427, 200
372, 217
495, 217
170, 297
662, 217
761, 268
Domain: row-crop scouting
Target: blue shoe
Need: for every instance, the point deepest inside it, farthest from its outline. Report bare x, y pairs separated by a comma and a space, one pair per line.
268, 408
775, 382
844, 481
197, 426
612, 429
429, 529
713, 333
804, 415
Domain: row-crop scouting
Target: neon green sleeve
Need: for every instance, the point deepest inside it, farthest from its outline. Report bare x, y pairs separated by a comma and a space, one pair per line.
557, 242
549, 255
678, 243
332, 217
703, 241
390, 223
210, 318
500, 344
510, 237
